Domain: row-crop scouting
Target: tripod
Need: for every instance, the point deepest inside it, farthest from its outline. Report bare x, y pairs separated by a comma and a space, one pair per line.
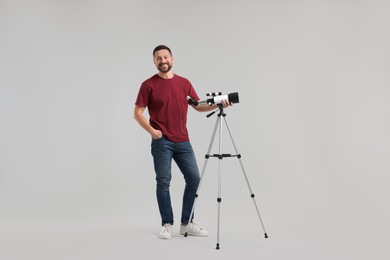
220, 156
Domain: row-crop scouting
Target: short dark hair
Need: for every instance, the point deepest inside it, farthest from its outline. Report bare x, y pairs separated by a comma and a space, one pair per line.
161, 47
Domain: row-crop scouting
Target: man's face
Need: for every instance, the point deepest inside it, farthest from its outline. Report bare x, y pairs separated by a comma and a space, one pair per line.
163, 60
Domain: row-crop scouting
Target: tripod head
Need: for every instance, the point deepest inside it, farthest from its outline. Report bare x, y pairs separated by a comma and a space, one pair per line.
220, 109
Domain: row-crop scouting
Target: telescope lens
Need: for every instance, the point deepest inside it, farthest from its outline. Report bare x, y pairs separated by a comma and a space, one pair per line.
233, 97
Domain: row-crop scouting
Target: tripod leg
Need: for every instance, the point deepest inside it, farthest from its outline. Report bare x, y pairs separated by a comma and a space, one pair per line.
246, 178
219, 199
207, 156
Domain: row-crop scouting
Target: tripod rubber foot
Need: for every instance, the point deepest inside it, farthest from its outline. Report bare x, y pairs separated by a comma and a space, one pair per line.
265, 235
217, 247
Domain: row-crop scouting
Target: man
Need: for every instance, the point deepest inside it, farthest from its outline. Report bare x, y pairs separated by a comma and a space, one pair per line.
164, 94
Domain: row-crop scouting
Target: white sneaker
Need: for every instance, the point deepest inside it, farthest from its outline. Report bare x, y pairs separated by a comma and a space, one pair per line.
193, 229
166, 230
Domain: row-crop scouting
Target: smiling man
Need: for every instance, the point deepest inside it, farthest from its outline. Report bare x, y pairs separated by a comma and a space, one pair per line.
164, 94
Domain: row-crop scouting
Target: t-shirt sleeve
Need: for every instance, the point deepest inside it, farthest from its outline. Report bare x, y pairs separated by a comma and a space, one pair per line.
143, 96
192, 93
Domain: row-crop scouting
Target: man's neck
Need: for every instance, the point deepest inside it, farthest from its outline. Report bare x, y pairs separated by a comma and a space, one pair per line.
165, 75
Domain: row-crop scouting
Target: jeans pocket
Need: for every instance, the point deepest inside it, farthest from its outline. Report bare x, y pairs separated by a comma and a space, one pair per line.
159, 139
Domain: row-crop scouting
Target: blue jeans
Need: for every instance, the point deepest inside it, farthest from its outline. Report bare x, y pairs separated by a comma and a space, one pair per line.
163, 152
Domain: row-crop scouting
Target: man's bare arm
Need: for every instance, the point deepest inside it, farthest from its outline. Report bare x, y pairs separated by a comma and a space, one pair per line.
206, 107
143, 122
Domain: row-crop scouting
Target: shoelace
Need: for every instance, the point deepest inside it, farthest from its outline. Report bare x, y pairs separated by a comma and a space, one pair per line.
195, 226
167, 228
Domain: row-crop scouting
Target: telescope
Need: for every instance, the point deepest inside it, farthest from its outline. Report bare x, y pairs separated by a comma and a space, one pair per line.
216, 98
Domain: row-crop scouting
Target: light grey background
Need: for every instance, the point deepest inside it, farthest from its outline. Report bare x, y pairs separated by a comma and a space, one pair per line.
76, 176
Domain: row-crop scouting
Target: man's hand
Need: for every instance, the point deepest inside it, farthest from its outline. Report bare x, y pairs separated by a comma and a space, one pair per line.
157, 134
225, 103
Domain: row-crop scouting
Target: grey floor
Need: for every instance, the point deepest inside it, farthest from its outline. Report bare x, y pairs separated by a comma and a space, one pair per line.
124, 239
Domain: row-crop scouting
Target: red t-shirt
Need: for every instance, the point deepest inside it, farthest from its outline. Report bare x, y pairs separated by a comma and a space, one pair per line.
167, 105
